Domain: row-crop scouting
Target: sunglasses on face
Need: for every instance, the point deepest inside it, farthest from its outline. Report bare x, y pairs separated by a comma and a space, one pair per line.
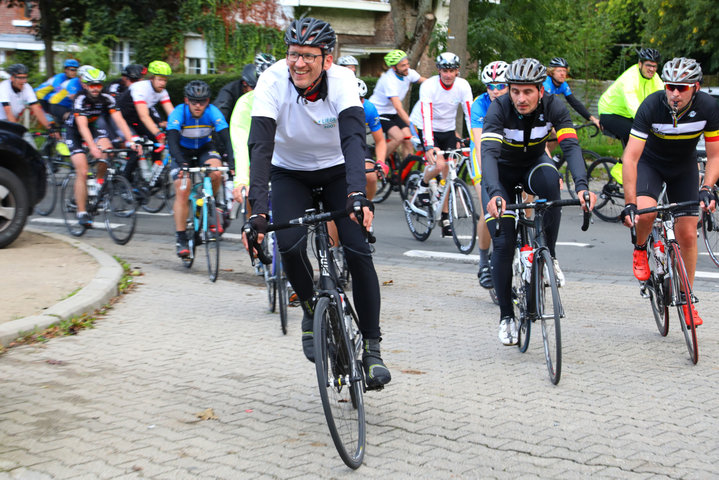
21, 77
679, 87
72, 69
199, 103
496, 86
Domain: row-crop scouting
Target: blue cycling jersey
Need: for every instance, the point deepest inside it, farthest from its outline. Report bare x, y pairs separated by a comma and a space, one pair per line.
195, 132
478, 111
551, 88
371, 117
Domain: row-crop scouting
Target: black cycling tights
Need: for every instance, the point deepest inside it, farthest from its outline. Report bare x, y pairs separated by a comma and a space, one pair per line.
540, 179
291, 196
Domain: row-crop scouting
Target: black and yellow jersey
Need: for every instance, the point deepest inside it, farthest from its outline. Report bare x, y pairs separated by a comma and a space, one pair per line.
672, 138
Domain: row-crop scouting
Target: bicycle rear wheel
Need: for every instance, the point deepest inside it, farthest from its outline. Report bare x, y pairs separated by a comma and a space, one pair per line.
47, 204
120, 209
549, 311
157, 196
610, 193
384, 187
211, 238
519, 301
589, 158
270, 278
463, 217
680, 285
69, 207
420, 220
341, 395
710, 232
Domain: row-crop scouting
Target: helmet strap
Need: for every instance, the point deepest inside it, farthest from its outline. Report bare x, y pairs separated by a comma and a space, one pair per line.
317, 89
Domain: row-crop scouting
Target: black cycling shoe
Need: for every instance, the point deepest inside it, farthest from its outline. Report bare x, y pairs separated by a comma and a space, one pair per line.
423, 199
183, 248
375, 371
485, 277
308, 341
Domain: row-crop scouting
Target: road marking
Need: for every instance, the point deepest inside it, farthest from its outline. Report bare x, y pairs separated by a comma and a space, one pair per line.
58, 221
159, 214
457, 257
706, 274
575, 244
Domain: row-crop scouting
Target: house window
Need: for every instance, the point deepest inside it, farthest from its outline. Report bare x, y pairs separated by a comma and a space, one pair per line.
194, 66
122, 54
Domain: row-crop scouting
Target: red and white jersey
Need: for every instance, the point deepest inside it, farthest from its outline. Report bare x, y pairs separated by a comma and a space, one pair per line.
17, 101
438, 105
142, 92
392, 85
308, 135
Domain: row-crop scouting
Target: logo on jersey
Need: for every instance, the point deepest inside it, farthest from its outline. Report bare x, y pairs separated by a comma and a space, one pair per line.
692, 114
327, 122
541, 117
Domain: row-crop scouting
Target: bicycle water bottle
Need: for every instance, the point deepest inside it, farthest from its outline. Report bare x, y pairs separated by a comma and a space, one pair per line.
660, 257
229, 198
526, 255
92, 186
433, 188
144, 168
156, 171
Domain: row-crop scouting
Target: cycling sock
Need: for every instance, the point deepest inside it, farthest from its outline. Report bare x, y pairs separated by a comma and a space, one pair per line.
422, 183
483, 257
181, 235
641, 247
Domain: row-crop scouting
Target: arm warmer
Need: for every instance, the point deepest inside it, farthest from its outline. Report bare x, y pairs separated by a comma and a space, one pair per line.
262, 144
173, 142
578, 106
224, 136
352, 138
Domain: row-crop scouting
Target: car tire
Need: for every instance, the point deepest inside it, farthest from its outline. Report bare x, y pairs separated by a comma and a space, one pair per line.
14, 207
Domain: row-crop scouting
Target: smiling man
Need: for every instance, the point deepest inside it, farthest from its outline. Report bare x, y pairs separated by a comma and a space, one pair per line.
662, 149
308, 131
514, 134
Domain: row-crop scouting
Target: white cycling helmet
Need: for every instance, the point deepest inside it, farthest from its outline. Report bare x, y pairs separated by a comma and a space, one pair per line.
362, 88
494, 72
347, 60
447, 60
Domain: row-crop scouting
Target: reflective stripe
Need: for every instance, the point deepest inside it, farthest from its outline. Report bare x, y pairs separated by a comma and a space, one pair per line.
566, 133
632, 134
638, 134
681, 128
491, 136
517, 135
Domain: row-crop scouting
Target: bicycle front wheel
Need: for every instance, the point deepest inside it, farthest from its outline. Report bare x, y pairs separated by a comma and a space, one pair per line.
681, 293
69, 207
282, 294
610, 193
212, 238
120, 210
420, 220
658, 289
463, 217
341, 394
549, 311
47, 204
268, 270
710, 232
519, 302
384, 187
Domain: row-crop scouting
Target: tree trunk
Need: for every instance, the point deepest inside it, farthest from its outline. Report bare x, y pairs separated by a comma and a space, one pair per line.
45, 32
422, 33
457, 31
416, 42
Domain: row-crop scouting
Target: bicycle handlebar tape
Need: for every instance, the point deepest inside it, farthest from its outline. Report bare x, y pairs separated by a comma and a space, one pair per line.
498, 222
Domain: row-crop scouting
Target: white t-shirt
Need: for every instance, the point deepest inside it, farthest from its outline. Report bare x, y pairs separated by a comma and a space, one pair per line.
415, 116
142, 92
17, 100
438, 106
390, 85
307, 136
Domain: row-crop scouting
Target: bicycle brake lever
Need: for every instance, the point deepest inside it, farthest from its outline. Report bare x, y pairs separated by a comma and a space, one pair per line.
360, 219
587, 212
633, 229
498, 222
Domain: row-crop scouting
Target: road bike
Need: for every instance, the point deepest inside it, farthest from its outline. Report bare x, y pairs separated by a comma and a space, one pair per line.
462, 212
588, 155
275, 278
535, 292
395, 179
111, 196
58, 166
710, 221
605, 180
668, 284
151, 179
337, 338
204, 221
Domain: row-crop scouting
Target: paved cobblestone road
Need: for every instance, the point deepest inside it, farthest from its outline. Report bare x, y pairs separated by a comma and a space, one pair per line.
120, 401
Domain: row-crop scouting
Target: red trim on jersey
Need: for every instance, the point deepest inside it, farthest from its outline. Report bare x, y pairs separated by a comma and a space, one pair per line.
565, 136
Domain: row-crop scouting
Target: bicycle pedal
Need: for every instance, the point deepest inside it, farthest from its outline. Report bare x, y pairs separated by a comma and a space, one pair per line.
376, 388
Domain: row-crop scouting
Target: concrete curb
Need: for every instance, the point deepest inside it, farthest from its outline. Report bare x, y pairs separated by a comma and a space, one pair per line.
91, 297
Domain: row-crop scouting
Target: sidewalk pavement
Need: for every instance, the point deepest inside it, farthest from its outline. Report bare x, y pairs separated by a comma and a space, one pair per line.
40, 261
122, 400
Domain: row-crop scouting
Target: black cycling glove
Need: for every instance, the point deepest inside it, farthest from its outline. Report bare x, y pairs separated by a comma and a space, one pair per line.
258, 223
630, 207
706, 196
363, 201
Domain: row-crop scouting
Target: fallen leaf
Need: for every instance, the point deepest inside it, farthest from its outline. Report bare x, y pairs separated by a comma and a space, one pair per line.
136, 468
227, 270
413, 372
50, 361
208, 414
388, 283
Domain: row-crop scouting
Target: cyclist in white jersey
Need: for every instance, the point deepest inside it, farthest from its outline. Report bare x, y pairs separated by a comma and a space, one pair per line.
308, 131
16, 94
439, 97
390, 90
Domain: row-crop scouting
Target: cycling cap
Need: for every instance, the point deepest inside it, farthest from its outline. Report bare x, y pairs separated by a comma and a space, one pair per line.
197, 90
682, 70
159, 67
249, 74
71, 62
394, 57
526, 71
312, 33
558, 62
650, 54
17, 69
134, 71
347, 60
494, 72
92, 75
263, 61
362, 88
447, 60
